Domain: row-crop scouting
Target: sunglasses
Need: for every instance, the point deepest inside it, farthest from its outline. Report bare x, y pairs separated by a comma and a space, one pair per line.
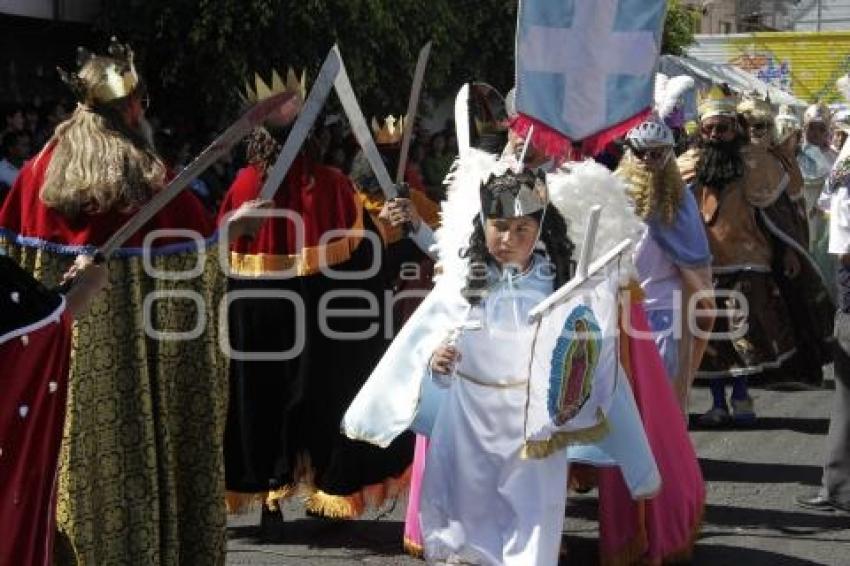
759, 126
720, 128
653, 154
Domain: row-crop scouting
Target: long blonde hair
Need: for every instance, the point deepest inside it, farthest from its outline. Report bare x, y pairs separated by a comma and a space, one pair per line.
99, 163
653, 193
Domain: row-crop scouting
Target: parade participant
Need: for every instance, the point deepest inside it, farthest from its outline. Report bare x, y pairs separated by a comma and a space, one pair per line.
405, 223
834, 494
407, 266
816, 158
35, 344
517, 514
743, 195
788, 125
840, 129
759, 117
397, 395
282, 431
672, 258
145, 403
803, 295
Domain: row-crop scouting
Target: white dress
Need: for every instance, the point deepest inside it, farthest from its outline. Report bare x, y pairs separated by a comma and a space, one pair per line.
481, 503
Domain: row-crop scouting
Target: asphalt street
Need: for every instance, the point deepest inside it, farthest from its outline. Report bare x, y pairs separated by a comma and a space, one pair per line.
750, 519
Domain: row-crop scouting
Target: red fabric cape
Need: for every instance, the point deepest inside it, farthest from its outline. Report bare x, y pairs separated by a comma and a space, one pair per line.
32, 414
322, 196
24, 217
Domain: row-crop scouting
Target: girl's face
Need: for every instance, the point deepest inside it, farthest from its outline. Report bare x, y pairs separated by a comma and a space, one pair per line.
511, 240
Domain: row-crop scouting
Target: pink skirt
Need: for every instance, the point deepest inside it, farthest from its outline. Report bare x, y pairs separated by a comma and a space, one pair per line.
663, 528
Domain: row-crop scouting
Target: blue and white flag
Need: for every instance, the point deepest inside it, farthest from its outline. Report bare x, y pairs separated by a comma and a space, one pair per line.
586, 67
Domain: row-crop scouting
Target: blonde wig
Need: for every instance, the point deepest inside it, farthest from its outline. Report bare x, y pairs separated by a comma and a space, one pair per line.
99, 163
653, 193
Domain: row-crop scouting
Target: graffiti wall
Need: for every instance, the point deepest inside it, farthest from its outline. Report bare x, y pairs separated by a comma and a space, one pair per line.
805, 64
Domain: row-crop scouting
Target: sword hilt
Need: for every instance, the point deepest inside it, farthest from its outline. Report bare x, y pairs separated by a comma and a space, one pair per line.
403, 191
98, 258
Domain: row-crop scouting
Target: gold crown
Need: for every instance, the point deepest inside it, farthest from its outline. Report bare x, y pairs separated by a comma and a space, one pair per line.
261, 90
718, 101
389, 132
754, 106
117, 79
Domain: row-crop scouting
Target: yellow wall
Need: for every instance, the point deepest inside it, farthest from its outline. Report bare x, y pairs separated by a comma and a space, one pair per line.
805, 64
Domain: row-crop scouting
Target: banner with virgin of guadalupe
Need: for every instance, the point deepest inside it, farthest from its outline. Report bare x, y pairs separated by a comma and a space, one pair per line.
574, 370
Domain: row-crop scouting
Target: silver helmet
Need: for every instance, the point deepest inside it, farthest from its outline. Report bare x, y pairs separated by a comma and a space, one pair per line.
650, 135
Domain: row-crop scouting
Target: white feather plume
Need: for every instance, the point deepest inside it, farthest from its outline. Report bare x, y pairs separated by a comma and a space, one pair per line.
843, 86
463, 202
573, 189
578, 186
668, 91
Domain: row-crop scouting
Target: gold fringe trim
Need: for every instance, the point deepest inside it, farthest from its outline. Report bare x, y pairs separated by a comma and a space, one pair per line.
239, 503
335, 506
310, 261
304, 482
538, 449
352, 506
413, 549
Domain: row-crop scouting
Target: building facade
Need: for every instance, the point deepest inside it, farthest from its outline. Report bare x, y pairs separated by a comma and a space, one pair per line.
743, 16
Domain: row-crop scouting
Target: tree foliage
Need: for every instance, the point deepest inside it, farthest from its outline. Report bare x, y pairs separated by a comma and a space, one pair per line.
679, 28
195, 54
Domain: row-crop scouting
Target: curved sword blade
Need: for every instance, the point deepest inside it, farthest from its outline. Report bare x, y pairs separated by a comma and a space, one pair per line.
462, 120
361, 131
412, 105
212, 153
312, 106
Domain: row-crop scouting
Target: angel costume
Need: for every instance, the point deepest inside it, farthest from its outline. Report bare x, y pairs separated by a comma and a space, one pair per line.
519, 498
481, 502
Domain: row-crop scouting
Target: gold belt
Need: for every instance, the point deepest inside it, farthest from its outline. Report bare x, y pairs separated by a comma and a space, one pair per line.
482, 383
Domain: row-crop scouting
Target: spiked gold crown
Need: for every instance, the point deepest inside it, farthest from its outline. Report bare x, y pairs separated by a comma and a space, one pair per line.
389, 131
102, 79
260, 90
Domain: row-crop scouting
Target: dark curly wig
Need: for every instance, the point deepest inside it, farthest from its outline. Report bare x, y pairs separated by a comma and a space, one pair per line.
559, 249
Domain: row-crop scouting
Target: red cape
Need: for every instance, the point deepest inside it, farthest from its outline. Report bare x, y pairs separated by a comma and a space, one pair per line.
25, 218
322, 196
32, 415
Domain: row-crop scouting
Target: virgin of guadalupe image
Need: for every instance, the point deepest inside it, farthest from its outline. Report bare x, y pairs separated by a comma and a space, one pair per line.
572, 372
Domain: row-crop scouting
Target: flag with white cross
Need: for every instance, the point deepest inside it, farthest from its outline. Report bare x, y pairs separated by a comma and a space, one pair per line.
585, 68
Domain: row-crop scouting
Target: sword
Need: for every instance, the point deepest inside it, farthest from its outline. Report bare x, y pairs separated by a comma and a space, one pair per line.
212, 153
462, 120
412, 104
361, 130
331, 67
223, 144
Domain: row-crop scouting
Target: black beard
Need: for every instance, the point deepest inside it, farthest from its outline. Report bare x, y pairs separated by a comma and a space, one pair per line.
720, 163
